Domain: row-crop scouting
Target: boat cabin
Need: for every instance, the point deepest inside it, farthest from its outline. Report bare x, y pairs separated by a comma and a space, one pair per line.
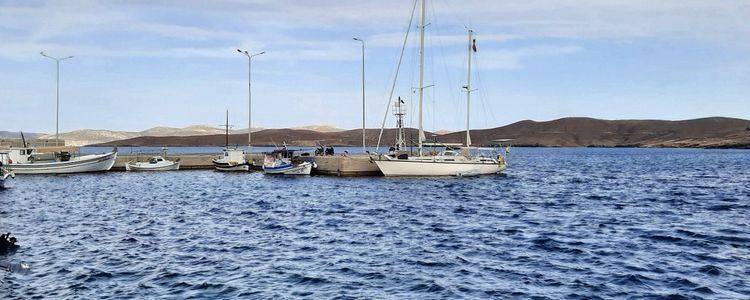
234, 155
282, 153
27, 155
17, 155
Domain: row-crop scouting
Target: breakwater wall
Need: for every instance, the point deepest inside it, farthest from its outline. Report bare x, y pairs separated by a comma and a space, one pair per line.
187, 161
337, 165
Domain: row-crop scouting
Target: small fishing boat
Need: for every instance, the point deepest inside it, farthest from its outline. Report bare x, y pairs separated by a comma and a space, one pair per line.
27, 160
282, 161
233, 158
155, 163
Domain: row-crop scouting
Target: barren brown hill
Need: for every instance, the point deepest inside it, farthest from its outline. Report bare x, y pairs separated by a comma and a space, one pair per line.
269, 137
577, 132
716, 132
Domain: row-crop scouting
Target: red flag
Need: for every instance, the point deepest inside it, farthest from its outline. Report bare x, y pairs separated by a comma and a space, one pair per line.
474, 45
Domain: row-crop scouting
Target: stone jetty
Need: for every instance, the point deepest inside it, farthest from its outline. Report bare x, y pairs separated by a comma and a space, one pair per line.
338, 165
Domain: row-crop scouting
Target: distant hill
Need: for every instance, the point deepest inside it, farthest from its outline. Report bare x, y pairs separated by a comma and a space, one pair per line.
17, 135
443, 131
95, 136
715, 132
320, 128
587, 132
271, 137
91, 136
185, 131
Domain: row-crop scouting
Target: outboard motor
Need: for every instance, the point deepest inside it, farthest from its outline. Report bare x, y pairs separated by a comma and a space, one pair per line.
64, 156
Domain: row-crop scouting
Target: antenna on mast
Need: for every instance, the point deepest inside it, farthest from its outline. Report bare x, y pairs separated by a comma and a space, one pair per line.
226, 131
399, 111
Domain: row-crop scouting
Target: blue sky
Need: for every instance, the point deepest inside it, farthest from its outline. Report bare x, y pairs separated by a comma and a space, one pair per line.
140, 64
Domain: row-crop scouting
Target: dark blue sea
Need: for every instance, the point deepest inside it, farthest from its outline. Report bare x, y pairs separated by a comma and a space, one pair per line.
561, 223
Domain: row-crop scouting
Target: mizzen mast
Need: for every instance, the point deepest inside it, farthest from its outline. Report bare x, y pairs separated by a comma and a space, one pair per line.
472, 46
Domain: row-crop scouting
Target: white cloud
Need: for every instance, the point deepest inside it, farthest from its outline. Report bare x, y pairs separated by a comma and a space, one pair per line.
304, 28
305, 39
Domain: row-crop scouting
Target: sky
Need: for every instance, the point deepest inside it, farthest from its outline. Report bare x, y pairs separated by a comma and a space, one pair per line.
140, 64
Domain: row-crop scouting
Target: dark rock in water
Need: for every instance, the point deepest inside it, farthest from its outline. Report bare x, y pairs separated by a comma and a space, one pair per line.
7, 244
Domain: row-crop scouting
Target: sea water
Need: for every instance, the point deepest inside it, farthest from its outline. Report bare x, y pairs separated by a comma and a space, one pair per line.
560, 223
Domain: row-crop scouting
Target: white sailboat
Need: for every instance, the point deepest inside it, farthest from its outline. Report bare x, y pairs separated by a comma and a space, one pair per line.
448, 162
233, 159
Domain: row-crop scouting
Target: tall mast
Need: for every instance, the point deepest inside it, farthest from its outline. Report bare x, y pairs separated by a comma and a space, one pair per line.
421, 77
226, 130
468, 90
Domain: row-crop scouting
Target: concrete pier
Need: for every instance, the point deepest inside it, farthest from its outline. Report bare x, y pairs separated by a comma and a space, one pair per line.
344, 165
338, 165
187, 161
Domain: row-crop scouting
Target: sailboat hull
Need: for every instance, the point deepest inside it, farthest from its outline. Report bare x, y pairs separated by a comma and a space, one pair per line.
428, 168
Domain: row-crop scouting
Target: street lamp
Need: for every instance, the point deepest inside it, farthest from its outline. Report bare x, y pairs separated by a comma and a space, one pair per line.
363, 92
249, 97
57, 109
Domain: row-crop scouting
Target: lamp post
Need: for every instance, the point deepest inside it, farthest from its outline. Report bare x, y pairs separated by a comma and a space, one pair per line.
363, 92
57, 106
249, 97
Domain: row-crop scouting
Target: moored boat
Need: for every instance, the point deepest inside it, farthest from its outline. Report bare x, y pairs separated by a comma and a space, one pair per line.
281, 161
449, 162
232, 160
155, 163
27, 160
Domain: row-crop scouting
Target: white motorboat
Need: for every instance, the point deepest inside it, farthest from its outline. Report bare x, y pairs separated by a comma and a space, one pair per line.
5, 174
27, 160
281, 162
449, 162
155, 163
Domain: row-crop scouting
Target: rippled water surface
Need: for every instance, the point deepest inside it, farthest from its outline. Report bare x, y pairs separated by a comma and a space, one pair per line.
574, 223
